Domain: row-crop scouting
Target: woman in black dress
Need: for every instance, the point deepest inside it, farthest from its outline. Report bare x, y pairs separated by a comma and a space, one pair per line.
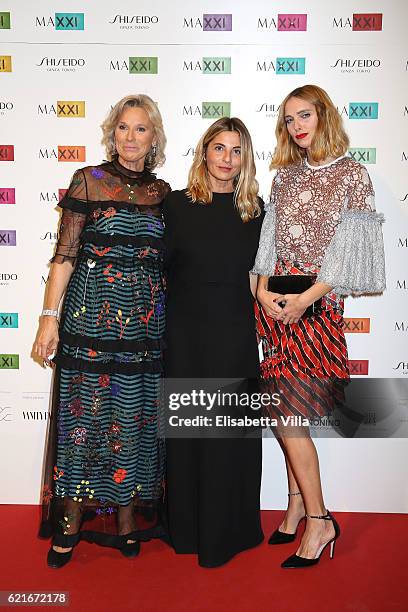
212, 232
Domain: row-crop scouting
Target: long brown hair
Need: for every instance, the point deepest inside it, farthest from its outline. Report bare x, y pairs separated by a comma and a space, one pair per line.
246, 185
330, 139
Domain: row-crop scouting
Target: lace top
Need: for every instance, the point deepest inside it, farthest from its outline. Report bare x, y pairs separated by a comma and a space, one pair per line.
102, 190
309, 202
324, 218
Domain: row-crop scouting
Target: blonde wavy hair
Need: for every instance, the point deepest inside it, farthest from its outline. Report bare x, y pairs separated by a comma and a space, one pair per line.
330, 139
113, 118
245, 184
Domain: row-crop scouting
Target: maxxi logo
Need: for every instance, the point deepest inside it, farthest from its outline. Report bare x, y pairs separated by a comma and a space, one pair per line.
209, 110
8, 238
64, 153
62, 21
136, 65
6, 153
286, 22
283, 65
9, 362
5, 63
8, 320
209, 65
364, 156
63, 108
7, 195
5, 21
356, 326
358, 367
363, 110
210, 22
360, 22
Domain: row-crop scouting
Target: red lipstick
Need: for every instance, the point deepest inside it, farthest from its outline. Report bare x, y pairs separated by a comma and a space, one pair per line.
300, 136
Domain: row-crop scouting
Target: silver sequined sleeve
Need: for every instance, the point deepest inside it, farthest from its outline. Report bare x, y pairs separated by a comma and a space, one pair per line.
354, 261
266, 256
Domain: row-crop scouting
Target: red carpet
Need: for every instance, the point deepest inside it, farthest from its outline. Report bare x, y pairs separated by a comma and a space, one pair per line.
367, 574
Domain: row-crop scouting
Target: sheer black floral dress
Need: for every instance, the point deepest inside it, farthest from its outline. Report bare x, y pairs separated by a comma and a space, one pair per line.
104, 458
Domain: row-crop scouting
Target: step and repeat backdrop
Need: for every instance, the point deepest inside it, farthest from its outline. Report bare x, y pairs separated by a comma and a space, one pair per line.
62, 66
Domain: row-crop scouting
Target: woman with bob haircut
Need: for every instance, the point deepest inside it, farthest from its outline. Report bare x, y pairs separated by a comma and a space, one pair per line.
104, 461
321, 240
212, 234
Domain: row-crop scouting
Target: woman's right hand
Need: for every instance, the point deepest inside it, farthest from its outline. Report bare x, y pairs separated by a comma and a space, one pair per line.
46, 341
267, 301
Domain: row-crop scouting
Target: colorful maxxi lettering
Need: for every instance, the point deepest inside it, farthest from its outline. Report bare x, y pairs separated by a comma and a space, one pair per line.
215, 110
8, 238
69, 21
216, 22
363, 110
143, 65
6, 153
71, 153
7, 195
292, 22
367, 22
364, 156
290, 65
9, 362
8, 320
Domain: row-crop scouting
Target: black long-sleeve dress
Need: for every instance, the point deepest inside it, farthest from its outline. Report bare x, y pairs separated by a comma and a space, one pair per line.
213, 485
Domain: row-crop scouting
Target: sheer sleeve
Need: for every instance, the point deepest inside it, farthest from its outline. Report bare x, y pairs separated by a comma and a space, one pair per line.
354, 262
266, 256
74, 205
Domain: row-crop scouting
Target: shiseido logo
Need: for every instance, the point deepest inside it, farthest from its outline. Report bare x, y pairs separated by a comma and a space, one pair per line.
6, 106
400, 326
360, 22
364, 156
210, 22
360, 110
8, 238
291, 22
283, 65
61, 64
136, 65
5, 21
9, 320
402, 367
263, 156
208, 110
64, 153
190, 152
209, 65
7, 195
351, 65
50, 236
134, 22
356, 326
401, 284
63, 108
358, 367
9, 362
61, 21
36, 415
5, 63
269, 109
6, 278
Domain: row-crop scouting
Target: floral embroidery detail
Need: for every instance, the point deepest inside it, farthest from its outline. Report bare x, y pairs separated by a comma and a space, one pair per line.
119, 319
152, 190
79, 435
119, 476
95, 214
104, 380
114, 428
97, 173
92, 353
47, 494
76, 408
57, 473
109, 212
101, 252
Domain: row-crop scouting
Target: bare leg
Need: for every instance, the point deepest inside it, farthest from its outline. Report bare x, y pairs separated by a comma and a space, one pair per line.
296, 508
302, 457
126, 520
72, 520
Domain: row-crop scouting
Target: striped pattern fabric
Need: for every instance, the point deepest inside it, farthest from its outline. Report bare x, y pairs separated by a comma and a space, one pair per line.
305, 362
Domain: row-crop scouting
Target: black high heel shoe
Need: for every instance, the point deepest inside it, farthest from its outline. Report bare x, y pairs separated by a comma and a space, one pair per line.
129, 549
279, 537
295, 561
57, 559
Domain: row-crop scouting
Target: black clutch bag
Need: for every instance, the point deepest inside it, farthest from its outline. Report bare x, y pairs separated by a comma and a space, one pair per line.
295, 283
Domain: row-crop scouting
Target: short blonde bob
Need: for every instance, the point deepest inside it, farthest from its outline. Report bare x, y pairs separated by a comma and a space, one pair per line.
330, 139
246, 186
113, 118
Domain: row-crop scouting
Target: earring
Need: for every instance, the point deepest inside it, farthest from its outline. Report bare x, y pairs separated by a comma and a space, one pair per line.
154, 151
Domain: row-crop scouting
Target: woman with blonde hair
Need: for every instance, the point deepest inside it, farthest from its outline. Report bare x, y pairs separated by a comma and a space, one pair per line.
103, 453
321, 240
212, 233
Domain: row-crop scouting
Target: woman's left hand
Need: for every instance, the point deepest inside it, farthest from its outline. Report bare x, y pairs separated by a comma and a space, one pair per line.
295, 306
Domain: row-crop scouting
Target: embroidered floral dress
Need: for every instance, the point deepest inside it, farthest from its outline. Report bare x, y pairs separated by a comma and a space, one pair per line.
103, 447
321, 221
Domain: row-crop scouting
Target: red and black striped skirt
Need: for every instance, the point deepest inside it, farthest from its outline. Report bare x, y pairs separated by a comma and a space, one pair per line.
306, 362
